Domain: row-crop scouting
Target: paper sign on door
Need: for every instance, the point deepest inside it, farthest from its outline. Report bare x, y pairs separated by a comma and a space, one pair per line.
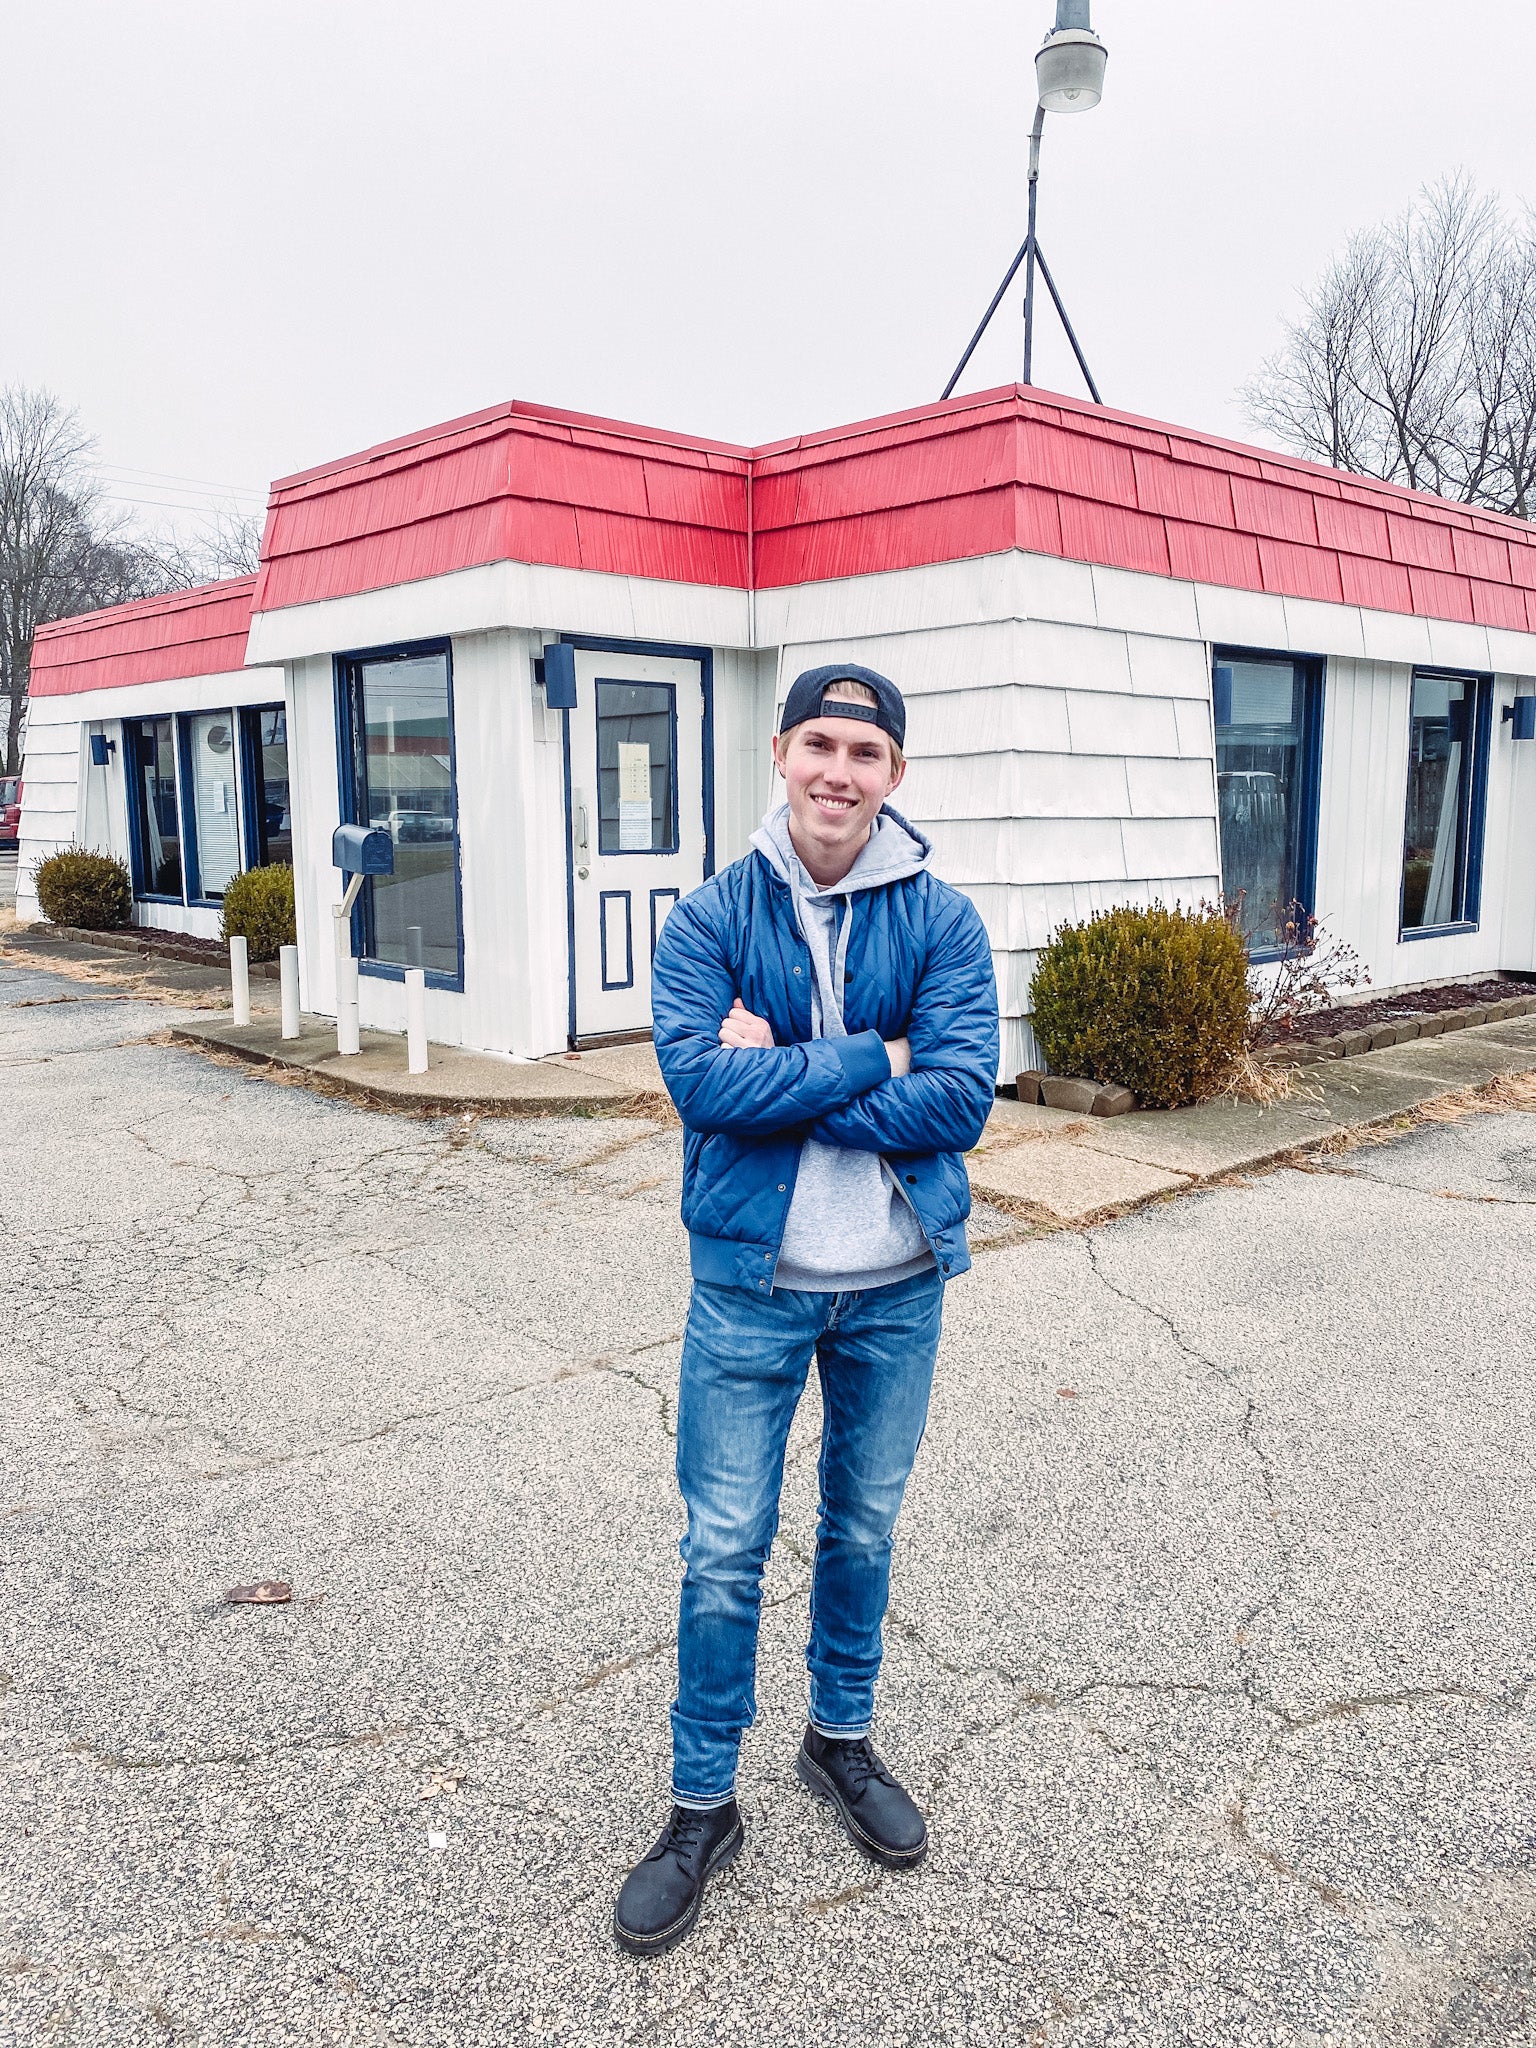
634, 797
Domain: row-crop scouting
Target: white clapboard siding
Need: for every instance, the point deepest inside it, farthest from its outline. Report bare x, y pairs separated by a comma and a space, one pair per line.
50, 812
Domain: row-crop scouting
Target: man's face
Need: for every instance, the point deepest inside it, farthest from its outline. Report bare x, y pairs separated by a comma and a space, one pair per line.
838, 772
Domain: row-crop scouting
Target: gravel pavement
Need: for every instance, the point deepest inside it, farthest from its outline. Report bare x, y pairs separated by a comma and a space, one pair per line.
1210, 1655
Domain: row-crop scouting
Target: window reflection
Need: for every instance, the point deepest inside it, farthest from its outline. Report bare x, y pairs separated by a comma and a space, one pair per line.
1435, 839
635, 769
1258, 789
158, 820
215, 809
406, 769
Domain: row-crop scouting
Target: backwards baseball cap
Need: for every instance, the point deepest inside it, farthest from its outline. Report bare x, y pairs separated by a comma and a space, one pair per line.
806, 694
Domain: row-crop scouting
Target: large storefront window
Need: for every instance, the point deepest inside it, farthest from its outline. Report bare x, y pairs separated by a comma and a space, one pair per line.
215, 800
269, 818
1447, 767
1268, 724
400, 713
151, 747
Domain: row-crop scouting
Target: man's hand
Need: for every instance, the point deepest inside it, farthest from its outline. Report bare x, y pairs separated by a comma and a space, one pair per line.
741, 1028
899, 1053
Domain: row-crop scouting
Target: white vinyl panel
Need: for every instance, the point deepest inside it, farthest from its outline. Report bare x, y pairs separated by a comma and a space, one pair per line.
1518, 854
1170, 846
1136, 603
743, 752
1452, 645
1014, 786
1029, 850
1512, 654
1162, 667
313, 797
1332, 629
1018, 1052
1021, 917
1394, 636
983, 720
922, 662
896, 600
1014, 973
1104, 724
1057, 589
1073, 657
1169, 789
1192, 721
1241, 618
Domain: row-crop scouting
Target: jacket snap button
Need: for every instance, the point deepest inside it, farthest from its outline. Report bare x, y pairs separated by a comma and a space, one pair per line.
764, 1283
911, 1180
781, 1187
797, 970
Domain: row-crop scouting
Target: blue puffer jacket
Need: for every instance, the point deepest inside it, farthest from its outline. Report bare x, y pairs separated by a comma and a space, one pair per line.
918, 966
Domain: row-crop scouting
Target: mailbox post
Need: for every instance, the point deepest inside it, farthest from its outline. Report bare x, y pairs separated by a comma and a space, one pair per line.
359, 851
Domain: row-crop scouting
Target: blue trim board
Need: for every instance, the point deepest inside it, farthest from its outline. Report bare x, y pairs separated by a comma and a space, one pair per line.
191, 880
570, 884
132, 735
604, 898
249, 726
346, 672
677, 896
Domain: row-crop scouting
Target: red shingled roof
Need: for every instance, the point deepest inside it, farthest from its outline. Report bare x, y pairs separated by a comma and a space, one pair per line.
199, 632
1011, 468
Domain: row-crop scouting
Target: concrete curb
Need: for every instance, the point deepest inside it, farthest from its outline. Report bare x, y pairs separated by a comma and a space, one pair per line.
1381, 1037
148, 944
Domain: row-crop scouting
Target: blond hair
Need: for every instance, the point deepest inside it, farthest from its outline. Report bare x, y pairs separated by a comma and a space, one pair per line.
846, 690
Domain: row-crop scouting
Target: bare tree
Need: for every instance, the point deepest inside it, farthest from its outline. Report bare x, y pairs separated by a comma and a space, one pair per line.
60, 553
1415, 360
225, 543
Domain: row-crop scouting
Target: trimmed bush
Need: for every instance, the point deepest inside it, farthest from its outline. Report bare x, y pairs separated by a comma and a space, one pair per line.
1154, 999
258, 907
92, 891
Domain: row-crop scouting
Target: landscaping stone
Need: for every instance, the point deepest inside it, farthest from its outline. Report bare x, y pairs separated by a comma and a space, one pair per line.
1407, 1030
1112, 1100
1059, 1093
1471, 1017
1028, 1084
1431, 1027
1382, 1036
1353, 1042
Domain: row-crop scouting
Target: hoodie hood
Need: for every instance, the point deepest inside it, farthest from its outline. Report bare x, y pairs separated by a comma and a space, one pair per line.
893, 851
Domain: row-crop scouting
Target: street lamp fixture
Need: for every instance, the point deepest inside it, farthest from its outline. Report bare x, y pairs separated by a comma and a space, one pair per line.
1069, 71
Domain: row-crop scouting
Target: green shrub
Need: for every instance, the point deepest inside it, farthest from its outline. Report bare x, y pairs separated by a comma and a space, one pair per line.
1154, 999
258, 907
92, 891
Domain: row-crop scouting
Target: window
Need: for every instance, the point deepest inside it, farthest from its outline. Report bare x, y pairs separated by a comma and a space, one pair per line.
1268, 728
214, 852
1448, 730
398, 718
269, 820
153, 800
636, 768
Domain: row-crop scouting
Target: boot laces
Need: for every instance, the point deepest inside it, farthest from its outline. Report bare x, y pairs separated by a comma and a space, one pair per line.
861, 1764
684, 1831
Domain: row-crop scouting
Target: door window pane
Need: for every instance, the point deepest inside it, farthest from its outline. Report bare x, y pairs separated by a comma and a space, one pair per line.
1440, 742
159, 823
406, 758
215, 809
1259, 769
636, 804
269, 796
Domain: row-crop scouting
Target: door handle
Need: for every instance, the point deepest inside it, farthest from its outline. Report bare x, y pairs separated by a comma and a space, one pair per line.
583, 849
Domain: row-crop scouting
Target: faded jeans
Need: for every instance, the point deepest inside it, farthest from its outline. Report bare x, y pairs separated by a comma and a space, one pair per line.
744, 1367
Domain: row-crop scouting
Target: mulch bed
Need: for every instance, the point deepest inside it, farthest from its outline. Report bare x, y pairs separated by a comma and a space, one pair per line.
1393, 1009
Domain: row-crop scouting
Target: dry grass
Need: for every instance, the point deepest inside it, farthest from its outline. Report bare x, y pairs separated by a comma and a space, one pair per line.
1264, 1082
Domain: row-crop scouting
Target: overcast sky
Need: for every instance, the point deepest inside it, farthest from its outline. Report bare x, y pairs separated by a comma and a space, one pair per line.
244, 238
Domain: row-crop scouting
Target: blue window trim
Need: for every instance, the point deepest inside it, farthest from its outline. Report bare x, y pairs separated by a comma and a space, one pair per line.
605, 896
1477, 810
191, 876
594, 644
637, 852
676, 896
131, 736
1309, 777
347, 682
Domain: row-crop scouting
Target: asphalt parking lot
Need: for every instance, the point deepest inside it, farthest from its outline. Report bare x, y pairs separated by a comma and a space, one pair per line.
1211, 1654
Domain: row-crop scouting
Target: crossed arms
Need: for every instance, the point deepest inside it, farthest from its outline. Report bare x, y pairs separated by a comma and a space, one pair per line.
930, 1091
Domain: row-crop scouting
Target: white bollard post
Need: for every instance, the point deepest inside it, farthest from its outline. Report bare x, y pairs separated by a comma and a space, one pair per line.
288, 963
416, 1020
240, 979
347, 1032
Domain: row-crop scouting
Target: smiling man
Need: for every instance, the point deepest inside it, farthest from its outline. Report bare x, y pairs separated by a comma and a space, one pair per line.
826, 1021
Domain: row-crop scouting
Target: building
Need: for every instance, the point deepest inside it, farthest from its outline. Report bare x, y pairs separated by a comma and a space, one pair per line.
1140, 663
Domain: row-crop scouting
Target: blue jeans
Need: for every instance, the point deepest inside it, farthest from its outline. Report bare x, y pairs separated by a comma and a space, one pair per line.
745, 1360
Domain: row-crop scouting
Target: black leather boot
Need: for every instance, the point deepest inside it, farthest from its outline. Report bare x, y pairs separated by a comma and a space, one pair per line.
661, 1896
879, 1816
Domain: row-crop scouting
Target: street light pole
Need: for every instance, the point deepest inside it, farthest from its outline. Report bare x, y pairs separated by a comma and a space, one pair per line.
1069, 70
1035, 136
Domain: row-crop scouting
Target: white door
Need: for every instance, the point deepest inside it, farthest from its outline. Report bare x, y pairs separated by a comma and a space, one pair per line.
636, 824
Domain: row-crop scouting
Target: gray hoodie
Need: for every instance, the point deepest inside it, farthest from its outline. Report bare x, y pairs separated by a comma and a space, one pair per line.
850, 1225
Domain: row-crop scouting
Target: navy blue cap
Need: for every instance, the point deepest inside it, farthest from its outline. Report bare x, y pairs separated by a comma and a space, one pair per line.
804, 701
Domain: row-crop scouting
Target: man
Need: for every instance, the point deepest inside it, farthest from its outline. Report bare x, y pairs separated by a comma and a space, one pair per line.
826, 1022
